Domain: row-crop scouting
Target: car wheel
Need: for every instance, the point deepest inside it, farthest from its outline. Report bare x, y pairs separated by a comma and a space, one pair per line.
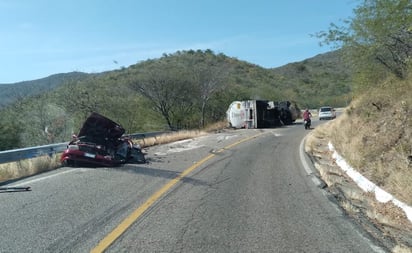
68, 163
137, 156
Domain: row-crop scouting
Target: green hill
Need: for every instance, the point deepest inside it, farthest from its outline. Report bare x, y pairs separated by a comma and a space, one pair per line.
184, 90
317, 81
15, 91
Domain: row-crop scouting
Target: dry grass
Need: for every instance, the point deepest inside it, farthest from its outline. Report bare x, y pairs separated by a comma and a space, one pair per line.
388, 213
180, 135
401, 249
374, 135
24, 168
167, 138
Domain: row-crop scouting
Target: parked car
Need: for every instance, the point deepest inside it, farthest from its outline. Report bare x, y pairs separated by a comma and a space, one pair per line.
101, 142
327, 112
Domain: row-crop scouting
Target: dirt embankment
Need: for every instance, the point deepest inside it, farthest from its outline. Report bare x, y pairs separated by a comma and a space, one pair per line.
374, 135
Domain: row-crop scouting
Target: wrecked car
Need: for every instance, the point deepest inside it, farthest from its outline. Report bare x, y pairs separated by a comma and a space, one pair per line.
101, 142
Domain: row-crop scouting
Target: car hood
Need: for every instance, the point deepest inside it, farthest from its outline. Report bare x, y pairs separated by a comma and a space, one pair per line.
99, 129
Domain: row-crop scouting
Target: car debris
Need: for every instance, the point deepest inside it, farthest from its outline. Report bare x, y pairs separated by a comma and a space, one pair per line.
15, 189
101, 142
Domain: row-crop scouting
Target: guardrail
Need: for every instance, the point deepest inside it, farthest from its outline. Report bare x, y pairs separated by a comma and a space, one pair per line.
51, 149
27, 153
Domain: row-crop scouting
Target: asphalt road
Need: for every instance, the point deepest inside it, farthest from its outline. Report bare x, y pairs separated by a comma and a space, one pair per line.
241, 191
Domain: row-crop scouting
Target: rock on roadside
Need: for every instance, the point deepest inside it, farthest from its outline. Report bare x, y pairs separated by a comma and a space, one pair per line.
384, 222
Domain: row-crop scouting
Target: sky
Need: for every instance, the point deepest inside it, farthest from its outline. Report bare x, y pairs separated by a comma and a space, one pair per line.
39, 38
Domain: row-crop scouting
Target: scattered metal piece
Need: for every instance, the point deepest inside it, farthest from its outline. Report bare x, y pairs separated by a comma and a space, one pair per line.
15, 189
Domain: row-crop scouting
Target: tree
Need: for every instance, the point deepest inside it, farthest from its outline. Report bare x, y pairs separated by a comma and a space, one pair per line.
208, 72
9, 135
379, 34
43, 122
165, 83
82, 98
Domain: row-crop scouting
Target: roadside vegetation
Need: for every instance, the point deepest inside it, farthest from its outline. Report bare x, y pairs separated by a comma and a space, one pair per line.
375, 132
28, 167
187, 90
375, 136
369, 73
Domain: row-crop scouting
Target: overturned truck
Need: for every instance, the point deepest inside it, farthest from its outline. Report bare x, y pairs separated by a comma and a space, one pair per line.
261, 114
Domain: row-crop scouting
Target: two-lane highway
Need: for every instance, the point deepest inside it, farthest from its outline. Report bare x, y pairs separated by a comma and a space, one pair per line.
236, 191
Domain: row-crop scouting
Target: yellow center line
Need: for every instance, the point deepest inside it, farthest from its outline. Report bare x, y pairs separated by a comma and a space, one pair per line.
127, 222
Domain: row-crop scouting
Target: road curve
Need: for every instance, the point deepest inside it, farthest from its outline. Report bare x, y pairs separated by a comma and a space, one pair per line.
251, 194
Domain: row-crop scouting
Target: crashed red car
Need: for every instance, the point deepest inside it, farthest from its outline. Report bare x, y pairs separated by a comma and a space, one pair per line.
101, 142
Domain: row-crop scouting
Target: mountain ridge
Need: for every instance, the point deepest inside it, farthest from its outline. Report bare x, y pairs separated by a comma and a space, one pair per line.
295, 75
10, 92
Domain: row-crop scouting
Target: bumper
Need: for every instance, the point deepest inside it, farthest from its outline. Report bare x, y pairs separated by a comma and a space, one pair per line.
71, 157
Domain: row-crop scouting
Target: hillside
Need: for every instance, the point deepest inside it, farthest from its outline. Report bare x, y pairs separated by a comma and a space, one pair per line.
299, 81
184, 90
374, 136
317, 81
14, 91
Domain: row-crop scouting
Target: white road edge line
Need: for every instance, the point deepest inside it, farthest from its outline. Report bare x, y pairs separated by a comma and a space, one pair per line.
306, 165
368, 186
318, 183
44, 178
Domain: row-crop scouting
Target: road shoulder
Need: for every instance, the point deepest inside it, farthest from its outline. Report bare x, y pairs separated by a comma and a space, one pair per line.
384, 222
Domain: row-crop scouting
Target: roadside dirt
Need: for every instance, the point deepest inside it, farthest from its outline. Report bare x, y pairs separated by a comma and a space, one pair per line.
385, 222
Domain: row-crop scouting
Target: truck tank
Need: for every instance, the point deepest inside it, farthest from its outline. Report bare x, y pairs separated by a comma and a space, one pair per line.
261, 113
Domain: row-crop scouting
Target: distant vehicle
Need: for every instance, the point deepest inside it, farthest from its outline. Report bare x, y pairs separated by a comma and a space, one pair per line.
261, 114
101, 142
327, 112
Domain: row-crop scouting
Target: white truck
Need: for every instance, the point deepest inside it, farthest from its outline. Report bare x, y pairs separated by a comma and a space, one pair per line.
260, 114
